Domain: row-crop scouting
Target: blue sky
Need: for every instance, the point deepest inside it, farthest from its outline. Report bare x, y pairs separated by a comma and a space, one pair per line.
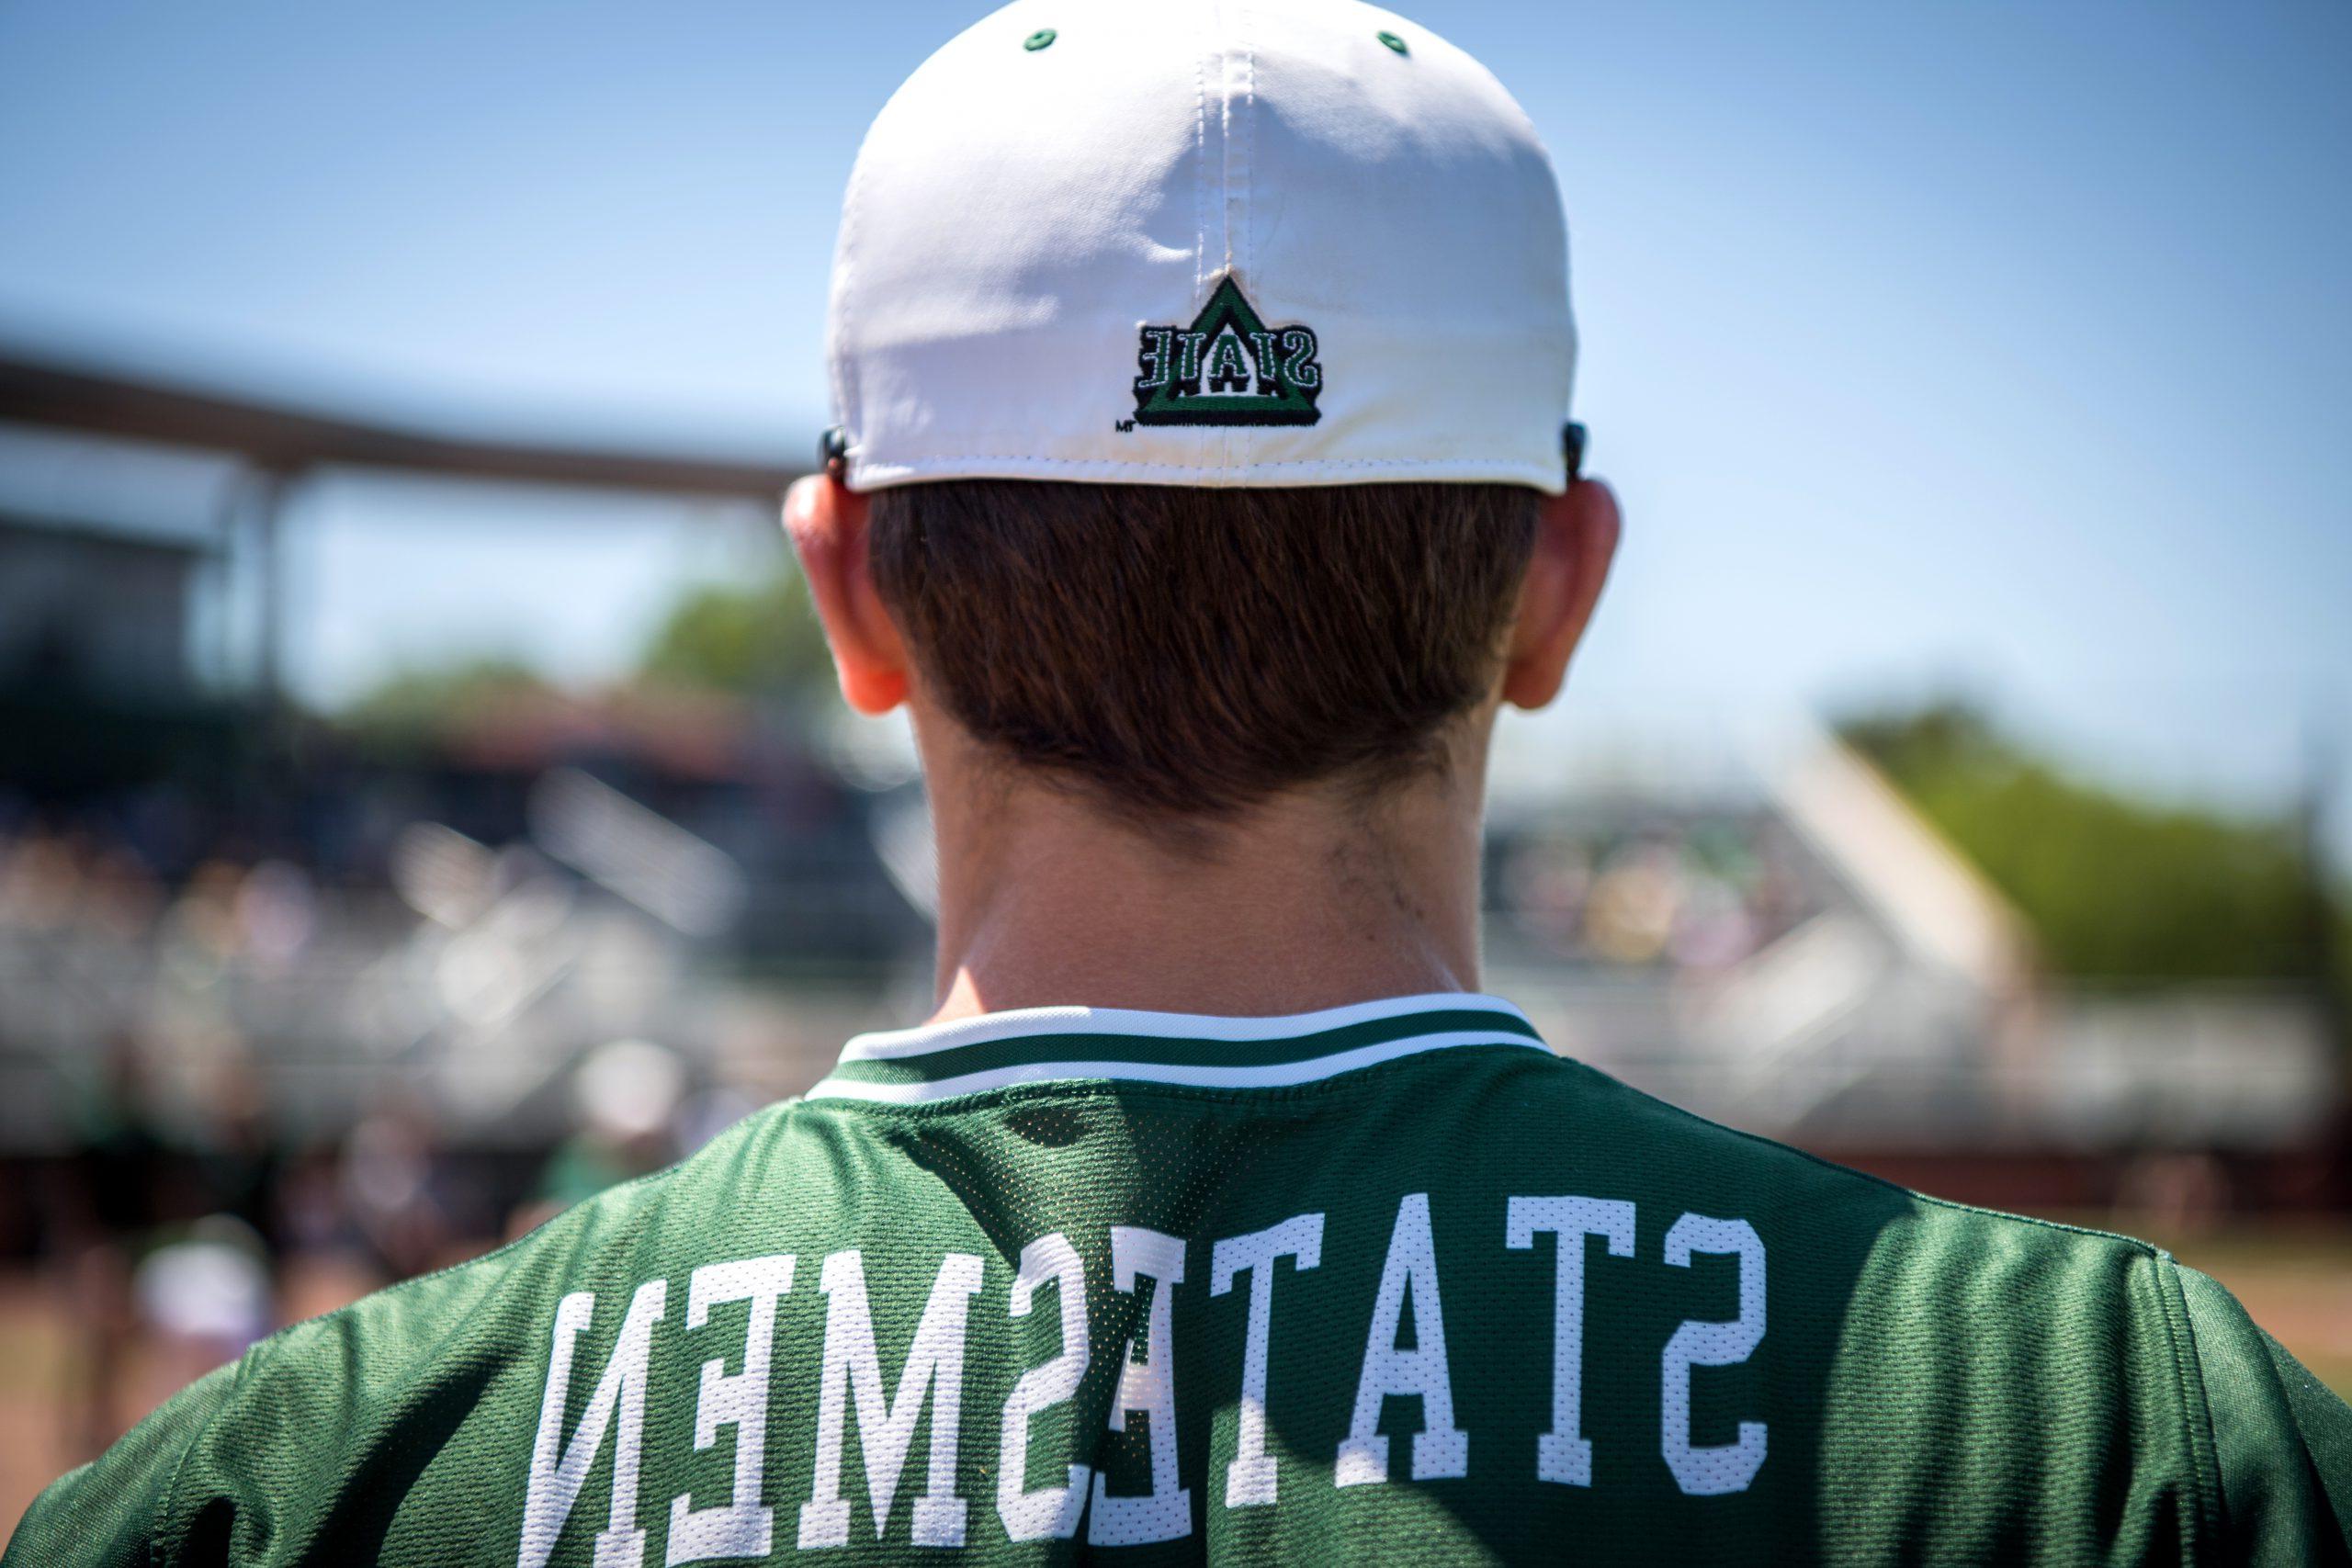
1992, 345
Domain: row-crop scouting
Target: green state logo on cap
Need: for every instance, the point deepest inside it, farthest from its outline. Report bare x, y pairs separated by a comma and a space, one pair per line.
1228, 367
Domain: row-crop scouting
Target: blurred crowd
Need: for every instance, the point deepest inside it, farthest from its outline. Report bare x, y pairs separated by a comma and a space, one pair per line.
1700, 892
174, 1212
172, 1241
94, 879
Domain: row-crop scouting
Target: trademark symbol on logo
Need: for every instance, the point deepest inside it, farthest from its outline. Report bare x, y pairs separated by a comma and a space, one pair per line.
1228, 367
1123, 426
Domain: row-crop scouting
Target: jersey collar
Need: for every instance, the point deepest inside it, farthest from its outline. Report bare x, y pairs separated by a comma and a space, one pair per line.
1039, 1045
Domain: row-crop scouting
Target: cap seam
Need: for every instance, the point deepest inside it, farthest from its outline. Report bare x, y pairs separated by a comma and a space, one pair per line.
1200, 171
1224, 168
1244, 435
1226, 40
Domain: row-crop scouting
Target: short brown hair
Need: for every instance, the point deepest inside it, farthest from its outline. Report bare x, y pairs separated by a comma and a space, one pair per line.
1185, 652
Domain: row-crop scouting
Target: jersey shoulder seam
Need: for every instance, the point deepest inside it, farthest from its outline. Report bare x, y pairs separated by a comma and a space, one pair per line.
2143, 1249
163, 1545
2211, 1515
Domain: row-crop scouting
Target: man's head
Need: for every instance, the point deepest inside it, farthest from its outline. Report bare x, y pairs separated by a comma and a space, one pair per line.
1177, 653
1202, 373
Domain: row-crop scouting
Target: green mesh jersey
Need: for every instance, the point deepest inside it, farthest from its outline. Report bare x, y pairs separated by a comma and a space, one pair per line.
1392, 1282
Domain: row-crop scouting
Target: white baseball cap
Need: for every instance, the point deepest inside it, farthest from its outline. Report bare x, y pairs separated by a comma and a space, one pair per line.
1206, 243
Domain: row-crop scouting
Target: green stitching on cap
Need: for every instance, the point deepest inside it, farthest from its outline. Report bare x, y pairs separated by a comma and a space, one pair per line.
1392, 41
1039, 40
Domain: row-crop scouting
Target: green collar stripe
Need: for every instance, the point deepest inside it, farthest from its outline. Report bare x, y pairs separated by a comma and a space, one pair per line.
916, 1065
956, 1061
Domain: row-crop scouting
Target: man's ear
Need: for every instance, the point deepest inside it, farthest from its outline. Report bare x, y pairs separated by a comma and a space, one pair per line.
827, 522
1575, 539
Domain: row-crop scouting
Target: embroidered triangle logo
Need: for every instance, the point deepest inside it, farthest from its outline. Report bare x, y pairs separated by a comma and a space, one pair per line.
1228, 367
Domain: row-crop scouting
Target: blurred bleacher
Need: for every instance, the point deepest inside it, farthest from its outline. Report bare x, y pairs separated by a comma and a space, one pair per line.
1757, 928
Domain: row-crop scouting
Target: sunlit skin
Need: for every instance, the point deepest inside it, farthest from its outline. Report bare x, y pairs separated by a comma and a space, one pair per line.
1309, 900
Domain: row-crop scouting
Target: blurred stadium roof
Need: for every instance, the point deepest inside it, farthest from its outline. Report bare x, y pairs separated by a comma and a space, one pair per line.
287, 440
282, 442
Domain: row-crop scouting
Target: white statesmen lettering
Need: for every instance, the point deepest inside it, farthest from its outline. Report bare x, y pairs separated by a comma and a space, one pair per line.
886, 1427
849, 1379
1563, 1454
1049, 1513
1725, 1467
1440, 1450
1250, 1479
555, 1481
743, 1527
1149, 1389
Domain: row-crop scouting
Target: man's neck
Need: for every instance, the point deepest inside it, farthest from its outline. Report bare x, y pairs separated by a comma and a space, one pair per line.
1312, 900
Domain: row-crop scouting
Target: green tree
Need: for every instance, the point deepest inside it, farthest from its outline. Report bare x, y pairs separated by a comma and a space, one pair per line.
757, 639
410, 706
2116, 887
